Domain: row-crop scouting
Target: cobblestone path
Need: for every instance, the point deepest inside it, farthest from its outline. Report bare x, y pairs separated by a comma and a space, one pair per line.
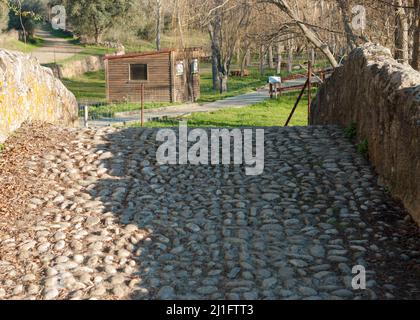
114, 225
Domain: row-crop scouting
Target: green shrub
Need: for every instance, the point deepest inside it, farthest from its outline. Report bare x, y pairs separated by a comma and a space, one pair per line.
351, 131
363, 148
146, 32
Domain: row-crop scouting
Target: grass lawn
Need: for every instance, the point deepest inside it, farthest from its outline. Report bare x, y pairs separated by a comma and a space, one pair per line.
89, 87
109, 110
16, 45
265, 114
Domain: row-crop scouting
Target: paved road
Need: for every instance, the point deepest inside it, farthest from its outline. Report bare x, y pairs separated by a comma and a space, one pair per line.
186, 109
54, 49
116, 225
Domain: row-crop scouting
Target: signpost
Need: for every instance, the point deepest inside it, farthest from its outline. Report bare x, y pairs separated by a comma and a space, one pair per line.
142, 104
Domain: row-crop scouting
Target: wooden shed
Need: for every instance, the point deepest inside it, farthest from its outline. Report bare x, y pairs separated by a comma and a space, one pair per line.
168, 76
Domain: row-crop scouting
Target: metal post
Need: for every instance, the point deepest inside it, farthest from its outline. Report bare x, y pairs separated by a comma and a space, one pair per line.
86, 115
309, 89
142, 104
296, 104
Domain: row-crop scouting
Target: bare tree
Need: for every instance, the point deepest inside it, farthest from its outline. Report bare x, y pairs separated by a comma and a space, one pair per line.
290, 56
225, 19
279, 57
270, 57
306, 30
401, 32
262, 59
344, 6
415, 63
158, 24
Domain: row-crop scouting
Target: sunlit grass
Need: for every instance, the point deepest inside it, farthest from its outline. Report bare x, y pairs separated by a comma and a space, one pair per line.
16, 45
269, 113
88, 87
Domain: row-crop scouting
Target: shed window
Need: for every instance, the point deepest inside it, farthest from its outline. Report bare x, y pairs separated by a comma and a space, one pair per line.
138, 72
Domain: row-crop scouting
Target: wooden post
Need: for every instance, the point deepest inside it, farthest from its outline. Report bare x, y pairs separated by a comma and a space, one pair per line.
86, 115
142, 104
309, 89
296, 104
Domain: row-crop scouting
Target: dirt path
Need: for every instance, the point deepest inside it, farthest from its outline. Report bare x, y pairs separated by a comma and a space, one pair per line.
54, 49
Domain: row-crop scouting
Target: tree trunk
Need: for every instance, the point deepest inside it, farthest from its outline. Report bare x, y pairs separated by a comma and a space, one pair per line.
238, 55
98, 33
223, 83
220, 68
244, 58
158, 23
345, 12
279, 58
215, 72
180, 27
416, 38
248, 58
270, 57
214, 30
262, 59
243, 62
98, 37
312, 57
401, 33
290, 58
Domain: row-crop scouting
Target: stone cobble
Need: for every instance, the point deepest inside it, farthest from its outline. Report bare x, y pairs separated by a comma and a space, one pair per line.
115, 225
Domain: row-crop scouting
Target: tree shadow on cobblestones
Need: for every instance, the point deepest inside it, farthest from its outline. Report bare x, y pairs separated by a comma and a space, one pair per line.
294, 232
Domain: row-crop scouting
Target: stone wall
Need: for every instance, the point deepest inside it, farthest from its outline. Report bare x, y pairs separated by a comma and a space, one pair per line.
78, 67
29, 91
382, 97
88, 64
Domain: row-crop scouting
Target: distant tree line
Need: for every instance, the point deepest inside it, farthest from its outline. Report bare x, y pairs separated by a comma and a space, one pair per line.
238, 31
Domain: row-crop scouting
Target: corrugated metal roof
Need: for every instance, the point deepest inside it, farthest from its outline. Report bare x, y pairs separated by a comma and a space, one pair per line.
149, 53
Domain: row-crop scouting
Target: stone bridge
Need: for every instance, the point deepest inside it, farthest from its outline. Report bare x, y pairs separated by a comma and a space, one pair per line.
114, 224
107, 222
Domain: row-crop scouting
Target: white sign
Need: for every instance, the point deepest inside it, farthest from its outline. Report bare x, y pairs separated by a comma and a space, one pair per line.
274, 80
194, 67
180, 68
